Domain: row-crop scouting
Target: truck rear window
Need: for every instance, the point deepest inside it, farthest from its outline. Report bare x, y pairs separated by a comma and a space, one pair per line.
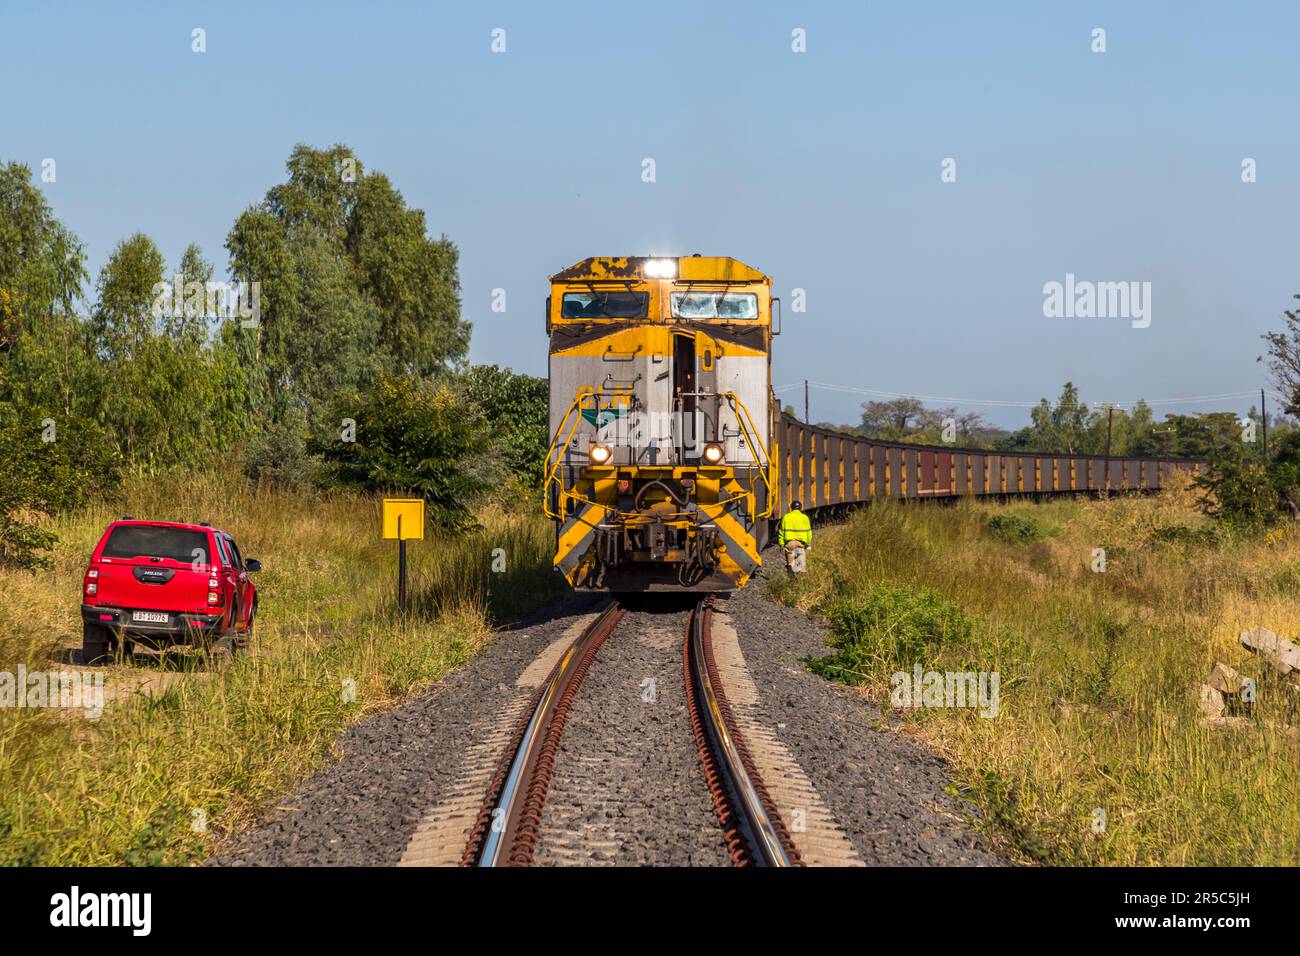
145, 541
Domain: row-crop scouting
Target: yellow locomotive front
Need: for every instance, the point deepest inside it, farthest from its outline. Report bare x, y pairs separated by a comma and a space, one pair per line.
660, 471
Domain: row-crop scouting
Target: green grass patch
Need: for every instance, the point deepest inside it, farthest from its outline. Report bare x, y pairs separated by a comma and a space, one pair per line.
1099, 670
180, 745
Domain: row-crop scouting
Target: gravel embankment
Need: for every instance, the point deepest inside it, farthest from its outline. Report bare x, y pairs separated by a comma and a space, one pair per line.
362, 810
886, 791
627, 787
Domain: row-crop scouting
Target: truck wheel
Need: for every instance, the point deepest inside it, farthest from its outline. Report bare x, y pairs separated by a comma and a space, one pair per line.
96, 644
243, 638
222, 649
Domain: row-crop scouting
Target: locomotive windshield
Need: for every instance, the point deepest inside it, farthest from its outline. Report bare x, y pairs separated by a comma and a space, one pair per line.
714, 305
617, 304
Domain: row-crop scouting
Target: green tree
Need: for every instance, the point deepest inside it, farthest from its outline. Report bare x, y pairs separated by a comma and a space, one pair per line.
415, 278
517, 408
351, 286
411, 436
126, 312
1202, 437
171, 396
1063, 428
191, 309
47, 465
42, 264
53, 450
1248, 493
1283, 358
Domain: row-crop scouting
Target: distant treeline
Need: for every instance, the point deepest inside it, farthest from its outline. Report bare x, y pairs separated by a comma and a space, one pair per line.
333, 354
1068, 426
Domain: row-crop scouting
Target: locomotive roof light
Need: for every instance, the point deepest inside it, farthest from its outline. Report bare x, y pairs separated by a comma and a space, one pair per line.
713, 453
600, 454
660, 268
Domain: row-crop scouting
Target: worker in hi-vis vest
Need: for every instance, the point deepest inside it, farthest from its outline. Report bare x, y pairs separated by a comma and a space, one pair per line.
794, 534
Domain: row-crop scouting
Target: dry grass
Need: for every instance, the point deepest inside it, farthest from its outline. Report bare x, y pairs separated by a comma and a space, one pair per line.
1098, 671
177, 738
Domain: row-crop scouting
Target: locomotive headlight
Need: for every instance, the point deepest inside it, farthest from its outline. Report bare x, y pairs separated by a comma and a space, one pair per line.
713, 453
600, 454
661, 268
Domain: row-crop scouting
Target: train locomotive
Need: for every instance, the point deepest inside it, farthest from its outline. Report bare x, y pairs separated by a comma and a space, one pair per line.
660, 474
670, 458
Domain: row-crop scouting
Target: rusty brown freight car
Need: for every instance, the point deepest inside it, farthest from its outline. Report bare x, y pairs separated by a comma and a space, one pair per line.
825, 469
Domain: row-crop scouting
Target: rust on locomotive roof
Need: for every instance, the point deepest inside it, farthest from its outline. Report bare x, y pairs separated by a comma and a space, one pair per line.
602, 267
632, 268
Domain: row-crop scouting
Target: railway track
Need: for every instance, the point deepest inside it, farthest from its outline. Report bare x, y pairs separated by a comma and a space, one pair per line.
752, 829
508, 827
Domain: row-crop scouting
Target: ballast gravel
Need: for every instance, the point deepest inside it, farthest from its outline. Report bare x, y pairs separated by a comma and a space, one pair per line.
627, 788
363, 809
887, 791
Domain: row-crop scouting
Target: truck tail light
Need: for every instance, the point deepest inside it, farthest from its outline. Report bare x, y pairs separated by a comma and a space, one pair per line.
92, 582
214, 591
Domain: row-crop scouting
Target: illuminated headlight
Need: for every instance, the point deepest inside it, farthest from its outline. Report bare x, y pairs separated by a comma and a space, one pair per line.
661, 268
600, 454
713, 453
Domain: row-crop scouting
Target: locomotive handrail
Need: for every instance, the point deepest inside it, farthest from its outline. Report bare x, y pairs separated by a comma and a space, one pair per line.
553, 467
764, 460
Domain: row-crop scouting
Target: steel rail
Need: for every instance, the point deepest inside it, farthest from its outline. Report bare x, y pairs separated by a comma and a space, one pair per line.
508, 827
725, 758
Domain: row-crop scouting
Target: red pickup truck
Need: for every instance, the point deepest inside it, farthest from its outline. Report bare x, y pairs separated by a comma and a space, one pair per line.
162, 583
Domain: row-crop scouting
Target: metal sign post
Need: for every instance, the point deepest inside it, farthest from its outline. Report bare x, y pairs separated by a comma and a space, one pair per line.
403, 520
401, 569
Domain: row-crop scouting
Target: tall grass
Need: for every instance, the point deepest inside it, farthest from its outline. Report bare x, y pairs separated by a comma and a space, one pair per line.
1099, 670
180, 744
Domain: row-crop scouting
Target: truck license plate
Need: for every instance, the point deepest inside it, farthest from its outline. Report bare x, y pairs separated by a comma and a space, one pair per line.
150, 617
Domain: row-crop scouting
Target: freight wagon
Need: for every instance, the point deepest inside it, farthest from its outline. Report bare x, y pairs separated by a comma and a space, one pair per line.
670, 458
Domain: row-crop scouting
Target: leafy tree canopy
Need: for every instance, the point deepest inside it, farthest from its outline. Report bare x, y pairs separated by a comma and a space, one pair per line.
351, 284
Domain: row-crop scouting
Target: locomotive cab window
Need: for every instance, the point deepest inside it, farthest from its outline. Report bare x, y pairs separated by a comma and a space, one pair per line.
714, 305
617, 304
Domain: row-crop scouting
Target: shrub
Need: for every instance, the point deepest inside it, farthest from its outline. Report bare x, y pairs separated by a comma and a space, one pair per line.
1244, 493
516, 405
1012, 527
889, 626
48, 463
278, 456
414, 437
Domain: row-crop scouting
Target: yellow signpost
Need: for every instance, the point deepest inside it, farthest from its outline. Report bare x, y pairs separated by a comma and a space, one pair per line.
403, 520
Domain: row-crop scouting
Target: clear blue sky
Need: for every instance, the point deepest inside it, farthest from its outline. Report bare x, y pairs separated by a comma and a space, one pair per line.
820, 168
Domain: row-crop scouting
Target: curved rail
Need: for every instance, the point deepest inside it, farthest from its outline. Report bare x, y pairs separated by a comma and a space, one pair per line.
753, 830
509, 824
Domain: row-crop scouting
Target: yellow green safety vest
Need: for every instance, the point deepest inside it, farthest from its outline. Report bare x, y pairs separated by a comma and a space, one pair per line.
795, 526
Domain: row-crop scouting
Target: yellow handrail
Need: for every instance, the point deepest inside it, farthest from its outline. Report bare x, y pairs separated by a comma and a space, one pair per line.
552, 467
765, 460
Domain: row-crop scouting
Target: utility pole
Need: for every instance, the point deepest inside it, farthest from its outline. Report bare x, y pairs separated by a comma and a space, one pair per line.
1263, 417
806, 419
1110, 419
